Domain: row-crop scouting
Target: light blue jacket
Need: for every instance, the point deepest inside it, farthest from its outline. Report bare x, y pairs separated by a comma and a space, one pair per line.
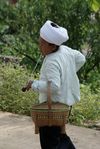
61, 69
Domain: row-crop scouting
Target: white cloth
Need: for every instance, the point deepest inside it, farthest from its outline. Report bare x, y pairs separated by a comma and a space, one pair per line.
60, 68
55, 35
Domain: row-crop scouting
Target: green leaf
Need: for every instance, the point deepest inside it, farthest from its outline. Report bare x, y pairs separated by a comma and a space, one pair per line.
95, 5
3, 28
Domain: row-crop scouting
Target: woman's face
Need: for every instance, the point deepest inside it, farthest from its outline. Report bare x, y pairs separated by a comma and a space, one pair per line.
45, 47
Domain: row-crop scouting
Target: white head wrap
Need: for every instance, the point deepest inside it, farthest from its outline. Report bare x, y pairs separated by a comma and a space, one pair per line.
53, 33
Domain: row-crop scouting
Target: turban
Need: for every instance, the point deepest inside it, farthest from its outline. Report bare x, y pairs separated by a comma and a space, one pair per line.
53, 33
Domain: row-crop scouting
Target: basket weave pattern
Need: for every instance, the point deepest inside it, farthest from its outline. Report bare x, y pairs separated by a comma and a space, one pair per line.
47, 114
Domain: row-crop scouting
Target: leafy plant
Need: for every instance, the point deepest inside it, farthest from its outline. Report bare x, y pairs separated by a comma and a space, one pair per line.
12, 99
88, 109
20, 25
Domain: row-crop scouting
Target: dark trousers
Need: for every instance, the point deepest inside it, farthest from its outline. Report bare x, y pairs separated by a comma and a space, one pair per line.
51, 138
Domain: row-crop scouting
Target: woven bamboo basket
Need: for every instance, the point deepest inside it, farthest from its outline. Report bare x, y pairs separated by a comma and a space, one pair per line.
50, 113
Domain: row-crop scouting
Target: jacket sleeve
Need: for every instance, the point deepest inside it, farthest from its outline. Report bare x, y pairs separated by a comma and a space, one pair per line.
79, 59
52, 74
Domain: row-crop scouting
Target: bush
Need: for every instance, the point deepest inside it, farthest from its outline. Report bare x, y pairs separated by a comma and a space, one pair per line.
94, 81
12, 99
88, 109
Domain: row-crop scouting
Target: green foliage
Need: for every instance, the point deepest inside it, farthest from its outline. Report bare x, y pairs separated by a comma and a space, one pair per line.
18, 32
20, 25
88, 109
12, 99
94, 81
95, 5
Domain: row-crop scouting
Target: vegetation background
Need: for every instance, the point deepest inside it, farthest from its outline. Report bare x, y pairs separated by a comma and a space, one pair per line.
20, 22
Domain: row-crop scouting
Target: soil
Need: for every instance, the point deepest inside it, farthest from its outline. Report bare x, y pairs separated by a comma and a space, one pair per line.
17, 132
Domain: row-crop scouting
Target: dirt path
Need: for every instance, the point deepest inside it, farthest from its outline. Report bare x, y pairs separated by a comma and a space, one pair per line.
17, 132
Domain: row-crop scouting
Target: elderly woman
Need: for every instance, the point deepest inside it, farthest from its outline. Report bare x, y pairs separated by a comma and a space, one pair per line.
60, 67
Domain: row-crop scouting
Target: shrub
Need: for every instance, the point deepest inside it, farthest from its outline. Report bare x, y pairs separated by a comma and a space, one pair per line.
88, 109
12, 99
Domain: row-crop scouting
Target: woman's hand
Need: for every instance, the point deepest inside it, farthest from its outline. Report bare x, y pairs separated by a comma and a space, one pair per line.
28, 86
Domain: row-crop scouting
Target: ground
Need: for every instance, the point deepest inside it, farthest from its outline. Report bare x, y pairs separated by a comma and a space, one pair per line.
17, 132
